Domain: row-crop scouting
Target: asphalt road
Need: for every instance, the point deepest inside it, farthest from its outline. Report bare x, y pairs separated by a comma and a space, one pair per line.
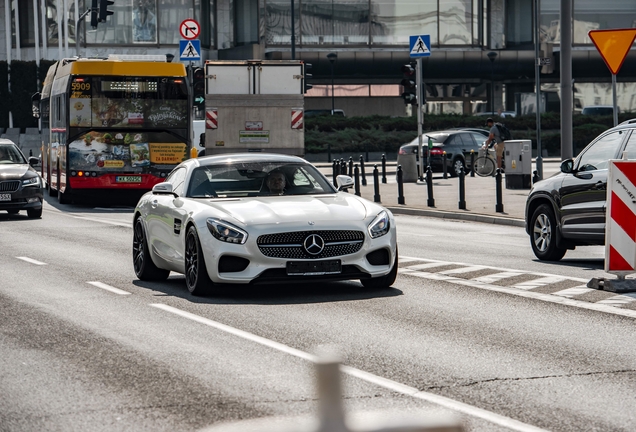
85, 346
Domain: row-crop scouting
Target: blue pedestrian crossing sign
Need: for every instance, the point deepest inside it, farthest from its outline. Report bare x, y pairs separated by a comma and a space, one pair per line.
190, 49
420, 46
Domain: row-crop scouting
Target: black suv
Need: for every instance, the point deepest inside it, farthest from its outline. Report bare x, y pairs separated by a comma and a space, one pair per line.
568, 209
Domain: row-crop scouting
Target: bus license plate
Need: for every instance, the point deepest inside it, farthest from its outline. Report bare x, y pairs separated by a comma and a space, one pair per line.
5, 197
127, 179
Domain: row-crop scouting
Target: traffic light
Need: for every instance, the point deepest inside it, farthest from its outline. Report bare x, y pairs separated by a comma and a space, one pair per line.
409, 84
306, 76
103, 9
94, 9
198, 88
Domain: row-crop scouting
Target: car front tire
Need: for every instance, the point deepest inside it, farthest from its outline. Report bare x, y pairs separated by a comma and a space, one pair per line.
543, 234
196, 273
34, 213
382, 282
458, 164
145, 269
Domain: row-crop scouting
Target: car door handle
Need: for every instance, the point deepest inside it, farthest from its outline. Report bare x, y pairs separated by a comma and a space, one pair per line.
599, 186
154, 204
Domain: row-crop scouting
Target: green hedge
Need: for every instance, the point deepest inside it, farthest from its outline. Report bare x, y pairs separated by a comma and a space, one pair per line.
387, 134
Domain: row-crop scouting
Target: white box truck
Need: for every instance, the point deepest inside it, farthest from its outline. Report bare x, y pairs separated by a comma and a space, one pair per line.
254, 106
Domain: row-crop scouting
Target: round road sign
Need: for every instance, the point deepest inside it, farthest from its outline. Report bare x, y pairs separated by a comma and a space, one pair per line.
189, 29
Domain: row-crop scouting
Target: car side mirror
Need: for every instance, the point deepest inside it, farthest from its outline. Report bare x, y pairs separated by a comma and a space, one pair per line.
164, 188
567, 166
33, 161
344, 182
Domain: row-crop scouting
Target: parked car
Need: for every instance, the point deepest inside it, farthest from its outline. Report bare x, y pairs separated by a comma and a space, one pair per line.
599, 110
324, 112
260, 218
456, 143
20, 185
568, 209
484, 132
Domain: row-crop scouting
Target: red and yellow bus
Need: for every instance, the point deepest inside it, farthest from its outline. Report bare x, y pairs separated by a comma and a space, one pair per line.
120, 123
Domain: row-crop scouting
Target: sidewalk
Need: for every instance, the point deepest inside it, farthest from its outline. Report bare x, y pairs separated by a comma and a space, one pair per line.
480, 195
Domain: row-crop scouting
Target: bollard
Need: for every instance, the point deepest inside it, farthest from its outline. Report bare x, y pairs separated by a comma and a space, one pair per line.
384, 169
366, 155
343, 167
335, 169
472, 163
400, 185
328, 152
429, 187
535, 176
356, 179
364, 177
30, 152
499, 205
462, 190
350, 166
444, 167
376, 184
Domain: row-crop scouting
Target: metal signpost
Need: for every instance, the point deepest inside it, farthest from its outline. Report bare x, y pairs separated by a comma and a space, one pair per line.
190, 49
419, 47
613, 45
537, 75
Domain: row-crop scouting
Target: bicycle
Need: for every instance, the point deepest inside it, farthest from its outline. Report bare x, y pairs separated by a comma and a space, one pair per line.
485, 164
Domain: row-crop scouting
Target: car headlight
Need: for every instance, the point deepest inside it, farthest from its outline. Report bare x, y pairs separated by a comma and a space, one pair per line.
31, 181
226, 232
380, 225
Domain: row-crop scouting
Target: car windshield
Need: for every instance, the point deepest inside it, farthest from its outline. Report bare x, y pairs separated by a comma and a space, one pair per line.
9, 154
251, 179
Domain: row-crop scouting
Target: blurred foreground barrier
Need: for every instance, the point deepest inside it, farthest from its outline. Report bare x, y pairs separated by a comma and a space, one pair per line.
400, 185
331, 416
499, 204
376, 185
462, 190
429, 187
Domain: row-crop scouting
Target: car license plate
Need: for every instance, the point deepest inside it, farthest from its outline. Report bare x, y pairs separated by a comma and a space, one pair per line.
313, 268
128, 179
5, 197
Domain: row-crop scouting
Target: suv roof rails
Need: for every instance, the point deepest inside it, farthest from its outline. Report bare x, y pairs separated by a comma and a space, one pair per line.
628, 122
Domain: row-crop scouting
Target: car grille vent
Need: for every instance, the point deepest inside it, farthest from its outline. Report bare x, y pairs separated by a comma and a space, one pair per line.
290, 245
9, 186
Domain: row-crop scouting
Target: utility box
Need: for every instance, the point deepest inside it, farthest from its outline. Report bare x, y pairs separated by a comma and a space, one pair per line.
255, 106
518, 160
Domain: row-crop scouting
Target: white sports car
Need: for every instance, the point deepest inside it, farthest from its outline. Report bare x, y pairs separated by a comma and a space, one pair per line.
265, 218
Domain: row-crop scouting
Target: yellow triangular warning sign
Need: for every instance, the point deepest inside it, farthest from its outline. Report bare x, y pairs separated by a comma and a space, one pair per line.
613, 46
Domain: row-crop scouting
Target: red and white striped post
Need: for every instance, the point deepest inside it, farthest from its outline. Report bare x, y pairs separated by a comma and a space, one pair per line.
211, 118
620, 227
297, 118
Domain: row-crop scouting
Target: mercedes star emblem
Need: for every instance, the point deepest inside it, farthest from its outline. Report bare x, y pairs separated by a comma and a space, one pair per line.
314, 244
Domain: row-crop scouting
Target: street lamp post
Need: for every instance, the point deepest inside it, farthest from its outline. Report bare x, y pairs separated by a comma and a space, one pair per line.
332, 59
492, 56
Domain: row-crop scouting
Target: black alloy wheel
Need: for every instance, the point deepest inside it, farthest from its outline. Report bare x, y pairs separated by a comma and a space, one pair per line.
145, 269
196, 273
457, 166
543, 234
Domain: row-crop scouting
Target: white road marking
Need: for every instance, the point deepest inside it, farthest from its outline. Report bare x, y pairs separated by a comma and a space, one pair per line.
427, 266
109, 222
31, 260
496, 277
360, 374
108, 288
469, 269
574, 291
619, 300
536, 283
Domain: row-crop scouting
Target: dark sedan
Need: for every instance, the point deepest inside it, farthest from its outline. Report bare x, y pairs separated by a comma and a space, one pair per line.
569, 208
457, 144
20, 185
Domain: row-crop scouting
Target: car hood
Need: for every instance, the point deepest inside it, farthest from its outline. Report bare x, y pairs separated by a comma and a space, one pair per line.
315, 208
14, 171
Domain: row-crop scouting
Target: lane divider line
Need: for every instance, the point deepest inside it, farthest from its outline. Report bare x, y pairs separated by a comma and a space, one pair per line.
386, 383
108, 288
31, 260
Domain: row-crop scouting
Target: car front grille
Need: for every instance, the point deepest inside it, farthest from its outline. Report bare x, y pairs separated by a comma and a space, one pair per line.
9, 186
290, 245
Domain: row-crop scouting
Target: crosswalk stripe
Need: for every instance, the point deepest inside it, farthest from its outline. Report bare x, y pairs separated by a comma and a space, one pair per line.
428, 265
574, 291
619, 300
536, 283
496, 277
463, 270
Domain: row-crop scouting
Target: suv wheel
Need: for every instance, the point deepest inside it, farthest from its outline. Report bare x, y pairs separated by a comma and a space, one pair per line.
543, 234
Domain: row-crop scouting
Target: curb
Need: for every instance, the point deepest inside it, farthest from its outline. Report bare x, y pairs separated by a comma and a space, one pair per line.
470, 217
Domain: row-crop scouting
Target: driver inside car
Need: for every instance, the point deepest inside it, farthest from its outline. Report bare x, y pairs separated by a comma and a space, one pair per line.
276, 182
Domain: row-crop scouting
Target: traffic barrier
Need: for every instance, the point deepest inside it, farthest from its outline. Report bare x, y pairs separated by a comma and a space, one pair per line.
376, 184
499, 208
356, 179
620, 228
472, 163
400, 185
429, 187
384, 168
362, 174
350, 166
444, 167
462, 190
